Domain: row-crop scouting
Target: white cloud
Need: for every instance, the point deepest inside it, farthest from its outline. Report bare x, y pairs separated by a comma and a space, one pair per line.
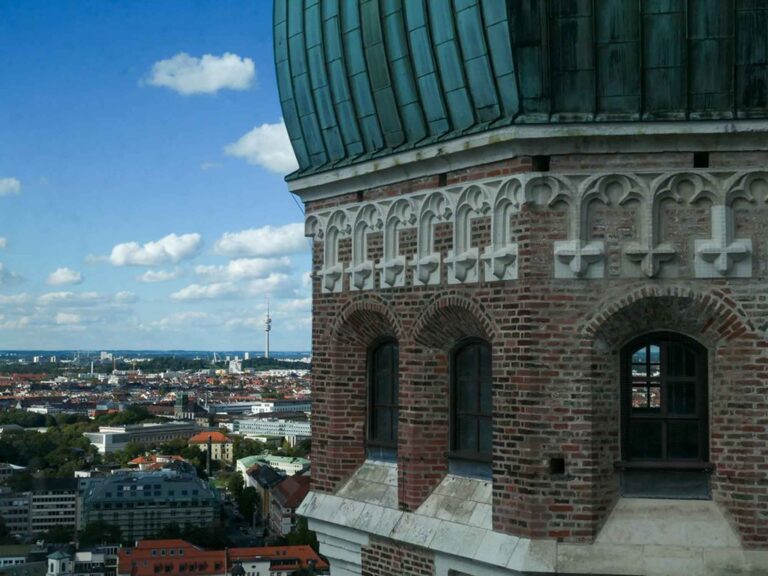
243, 268
125, 297
169, 249
3, 242
208, 74
63, 276
186, 319
268, 146
69, 299
206, 292
210, 166
67, 318
18, 324
15, 299
8, 277
295, 305
159, 275
9, 186
264, 241
276, 284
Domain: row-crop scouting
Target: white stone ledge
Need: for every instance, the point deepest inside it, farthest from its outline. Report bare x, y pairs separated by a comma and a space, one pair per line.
524, 140
641, 537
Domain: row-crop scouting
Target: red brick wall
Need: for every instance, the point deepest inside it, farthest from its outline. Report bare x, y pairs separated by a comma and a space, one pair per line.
383, 558
555, 350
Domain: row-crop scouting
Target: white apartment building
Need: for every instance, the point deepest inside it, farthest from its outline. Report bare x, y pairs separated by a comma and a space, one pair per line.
292, 430
113, 438
284, 464
278, 406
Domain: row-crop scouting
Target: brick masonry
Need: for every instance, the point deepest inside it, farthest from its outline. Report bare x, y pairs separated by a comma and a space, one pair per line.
383, 558
555, 345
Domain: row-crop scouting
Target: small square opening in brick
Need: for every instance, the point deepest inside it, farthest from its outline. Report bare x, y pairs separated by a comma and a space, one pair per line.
442, 179
701, 159
540, 163
557, 465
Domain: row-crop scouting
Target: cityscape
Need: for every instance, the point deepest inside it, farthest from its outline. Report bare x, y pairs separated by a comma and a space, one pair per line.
129, 453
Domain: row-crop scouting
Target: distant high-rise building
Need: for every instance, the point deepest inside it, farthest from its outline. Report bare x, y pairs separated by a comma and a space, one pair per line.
267, 329
246, 355
105, 356
235, 366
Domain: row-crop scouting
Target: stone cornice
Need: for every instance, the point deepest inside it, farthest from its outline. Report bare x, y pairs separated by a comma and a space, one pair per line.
532, 139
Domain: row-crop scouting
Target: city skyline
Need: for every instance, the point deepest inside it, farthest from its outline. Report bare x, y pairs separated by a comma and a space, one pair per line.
142, 201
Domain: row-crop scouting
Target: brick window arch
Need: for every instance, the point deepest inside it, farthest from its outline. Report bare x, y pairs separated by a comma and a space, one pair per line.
664, 410
383, 395
471, 404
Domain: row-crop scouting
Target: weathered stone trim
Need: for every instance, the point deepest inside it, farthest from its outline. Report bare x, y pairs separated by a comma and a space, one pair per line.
579, 256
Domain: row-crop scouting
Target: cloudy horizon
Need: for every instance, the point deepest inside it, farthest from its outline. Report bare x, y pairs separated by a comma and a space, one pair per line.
142, 200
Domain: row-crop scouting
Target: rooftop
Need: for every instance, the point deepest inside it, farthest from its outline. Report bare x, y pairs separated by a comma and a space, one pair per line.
215, 438
141, 560
362, 80
291, 491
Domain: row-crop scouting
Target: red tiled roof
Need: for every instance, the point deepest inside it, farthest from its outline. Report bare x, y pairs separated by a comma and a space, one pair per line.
153, 458
216, 438
302, 553
140, 561
291, 491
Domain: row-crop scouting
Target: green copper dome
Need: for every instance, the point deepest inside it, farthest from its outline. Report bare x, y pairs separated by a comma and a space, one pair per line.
360, 79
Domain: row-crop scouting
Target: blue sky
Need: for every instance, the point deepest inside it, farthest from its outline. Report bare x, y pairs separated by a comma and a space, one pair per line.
142, 201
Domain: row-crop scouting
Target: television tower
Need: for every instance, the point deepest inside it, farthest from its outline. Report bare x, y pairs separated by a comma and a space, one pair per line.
267, 328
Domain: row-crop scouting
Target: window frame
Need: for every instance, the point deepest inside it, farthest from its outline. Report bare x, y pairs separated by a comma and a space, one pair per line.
662, 339
381, 446
453, 452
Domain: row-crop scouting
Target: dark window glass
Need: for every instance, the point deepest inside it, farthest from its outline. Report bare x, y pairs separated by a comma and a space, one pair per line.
683, 440
645, 440
382, 394
664, 406
471, 417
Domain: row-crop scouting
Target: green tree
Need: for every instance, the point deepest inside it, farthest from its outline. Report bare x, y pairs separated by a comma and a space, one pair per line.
301, 534
302, 448
59, 535
99, 532
248, 502
20, 481
22, 418
133, 414
235, 486
244, 447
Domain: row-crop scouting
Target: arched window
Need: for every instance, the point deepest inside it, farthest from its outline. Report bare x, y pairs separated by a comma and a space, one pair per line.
471, 401
383, 395
664, 410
